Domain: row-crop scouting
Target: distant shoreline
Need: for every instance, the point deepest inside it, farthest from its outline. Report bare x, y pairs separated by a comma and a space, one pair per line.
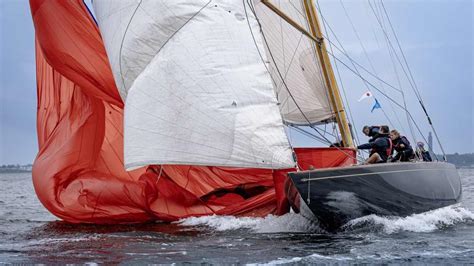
11, 171
15, 168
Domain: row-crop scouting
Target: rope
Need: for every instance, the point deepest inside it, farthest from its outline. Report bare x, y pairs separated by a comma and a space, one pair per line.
310, 135
409, 75
391, 55
385, 95
414, 83
371, 65
357, 73
279, 72
346, 54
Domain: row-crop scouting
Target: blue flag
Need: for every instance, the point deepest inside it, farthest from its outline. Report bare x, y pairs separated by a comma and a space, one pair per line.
376, 105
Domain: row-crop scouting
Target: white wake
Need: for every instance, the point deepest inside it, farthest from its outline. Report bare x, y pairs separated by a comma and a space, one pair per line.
290, 222
423, 222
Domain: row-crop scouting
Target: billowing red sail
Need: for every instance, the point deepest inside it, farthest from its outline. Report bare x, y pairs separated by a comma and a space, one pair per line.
79, 173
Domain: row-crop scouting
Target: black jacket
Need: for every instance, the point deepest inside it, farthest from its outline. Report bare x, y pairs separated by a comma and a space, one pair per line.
423, 154
373, 133
399, 141
379, 145
403, 154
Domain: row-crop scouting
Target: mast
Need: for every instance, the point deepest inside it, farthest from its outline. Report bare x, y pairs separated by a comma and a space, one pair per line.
328, 74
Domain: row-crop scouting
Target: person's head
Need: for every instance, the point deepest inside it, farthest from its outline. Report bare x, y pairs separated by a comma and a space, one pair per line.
420, 145
366, 130
394, 134
384, 129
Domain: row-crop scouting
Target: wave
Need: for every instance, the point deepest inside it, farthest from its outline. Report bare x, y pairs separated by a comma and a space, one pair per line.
310, 259
423, 222
290, 222
296, 223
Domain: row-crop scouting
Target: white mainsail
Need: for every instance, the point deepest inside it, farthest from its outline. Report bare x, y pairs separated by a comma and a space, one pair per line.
195, 88
292, 56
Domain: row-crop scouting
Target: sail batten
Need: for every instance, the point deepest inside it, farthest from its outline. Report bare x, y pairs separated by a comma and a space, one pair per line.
195, 89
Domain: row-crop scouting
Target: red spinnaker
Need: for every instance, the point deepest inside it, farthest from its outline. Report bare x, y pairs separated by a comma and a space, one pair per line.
78, 173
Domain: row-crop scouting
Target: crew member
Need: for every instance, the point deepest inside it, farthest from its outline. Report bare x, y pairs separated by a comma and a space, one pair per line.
422, 153
371, 132
381, 147
402, 146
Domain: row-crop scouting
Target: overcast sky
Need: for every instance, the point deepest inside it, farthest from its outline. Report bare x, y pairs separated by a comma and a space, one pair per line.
436, 37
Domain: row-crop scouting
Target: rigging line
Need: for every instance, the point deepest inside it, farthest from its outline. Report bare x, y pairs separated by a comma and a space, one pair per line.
401, 50
279, 73
410, 126
393, 54
325, 131
355, 72
395, 70
370, 62
357, 35
352, 61
396, 54
365, 80
410, 82
385, 95
388, 118
308, 134
415, 87
340, 79
361, 44
373, 86
344, 52
311, 135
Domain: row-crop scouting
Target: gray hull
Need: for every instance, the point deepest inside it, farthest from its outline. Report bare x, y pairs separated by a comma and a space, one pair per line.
338, 195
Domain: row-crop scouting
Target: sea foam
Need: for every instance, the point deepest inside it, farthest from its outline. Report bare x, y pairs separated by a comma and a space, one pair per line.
423, 222
292, 222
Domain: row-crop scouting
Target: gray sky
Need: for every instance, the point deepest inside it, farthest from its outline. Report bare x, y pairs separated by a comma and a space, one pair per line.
436, 37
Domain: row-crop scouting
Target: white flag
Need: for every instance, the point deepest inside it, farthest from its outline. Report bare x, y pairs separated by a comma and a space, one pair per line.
366, 95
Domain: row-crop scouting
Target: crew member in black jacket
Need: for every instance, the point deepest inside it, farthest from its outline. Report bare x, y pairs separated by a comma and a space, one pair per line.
402, 146
381, 147
371, 132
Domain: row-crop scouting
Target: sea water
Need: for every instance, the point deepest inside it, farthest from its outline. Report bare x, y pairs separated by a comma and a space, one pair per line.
29, 234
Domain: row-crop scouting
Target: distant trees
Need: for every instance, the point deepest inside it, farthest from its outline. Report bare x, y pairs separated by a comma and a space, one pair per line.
461, 160
6, 168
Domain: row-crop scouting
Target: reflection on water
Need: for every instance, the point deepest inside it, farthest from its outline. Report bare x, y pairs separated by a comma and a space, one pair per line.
31, 235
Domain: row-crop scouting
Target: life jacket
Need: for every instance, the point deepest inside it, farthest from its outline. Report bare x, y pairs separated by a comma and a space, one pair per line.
388, 151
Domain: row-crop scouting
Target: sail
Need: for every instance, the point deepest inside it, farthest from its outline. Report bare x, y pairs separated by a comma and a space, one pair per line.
294, 64
78, 173
195, 87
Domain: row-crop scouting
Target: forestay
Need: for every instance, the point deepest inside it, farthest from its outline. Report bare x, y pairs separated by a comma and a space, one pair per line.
195, 88
293, 59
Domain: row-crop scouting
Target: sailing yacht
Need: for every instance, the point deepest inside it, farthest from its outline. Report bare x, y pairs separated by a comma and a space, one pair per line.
161, 110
